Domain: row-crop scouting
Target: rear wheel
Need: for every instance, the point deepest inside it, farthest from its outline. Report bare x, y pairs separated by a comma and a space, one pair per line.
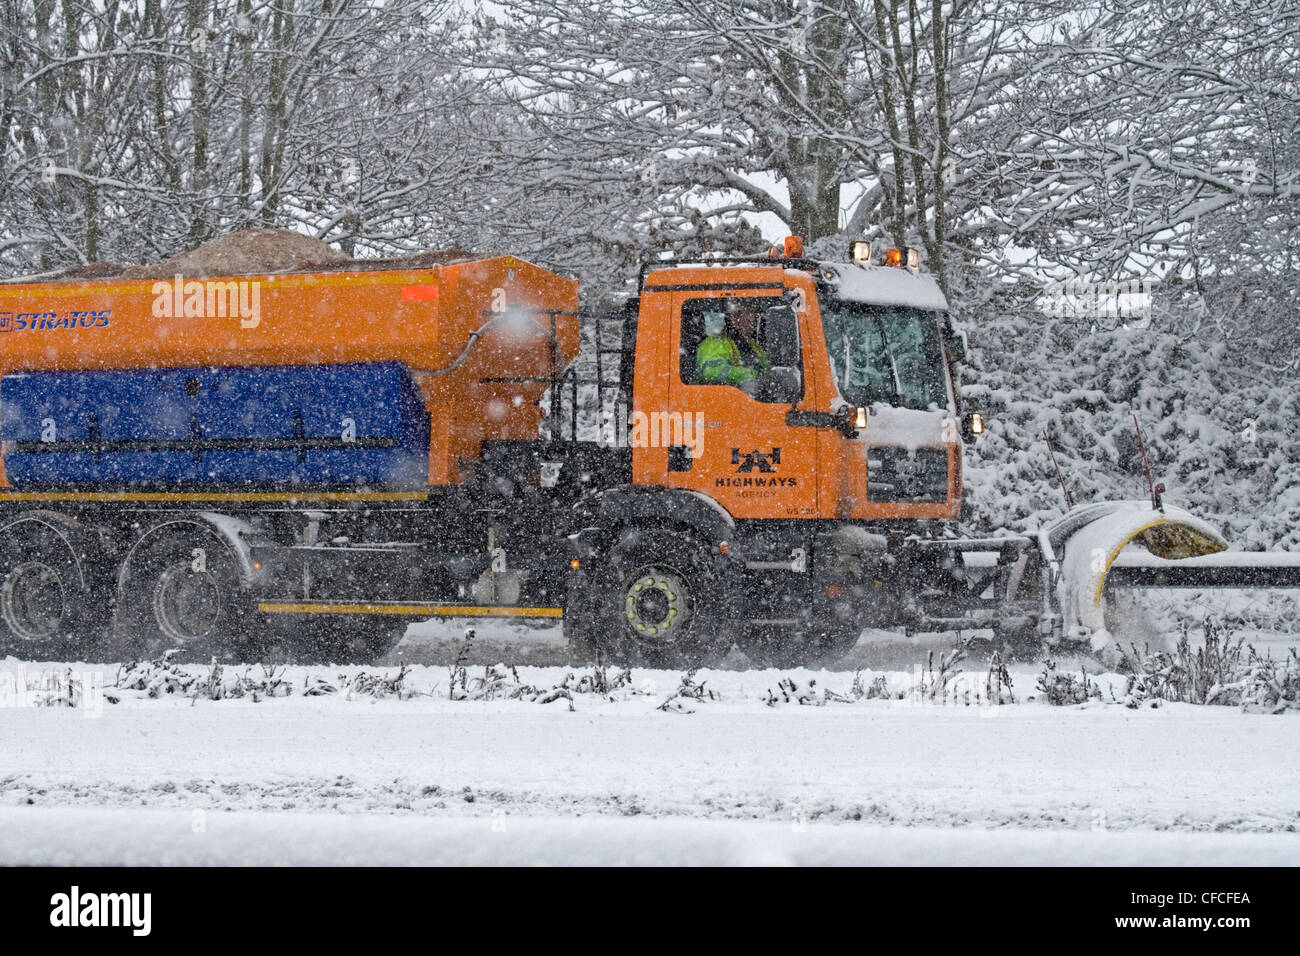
44, 604
185, 593
659, 603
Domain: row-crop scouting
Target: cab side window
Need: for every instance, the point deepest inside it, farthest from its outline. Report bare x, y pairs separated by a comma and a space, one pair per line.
722, 343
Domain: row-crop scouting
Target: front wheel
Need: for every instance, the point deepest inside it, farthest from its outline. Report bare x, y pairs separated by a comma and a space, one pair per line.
659, 602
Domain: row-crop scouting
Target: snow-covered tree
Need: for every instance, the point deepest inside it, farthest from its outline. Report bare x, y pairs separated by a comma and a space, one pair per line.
133, 130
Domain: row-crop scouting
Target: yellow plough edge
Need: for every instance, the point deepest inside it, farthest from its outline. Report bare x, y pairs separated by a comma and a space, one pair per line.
1167, 538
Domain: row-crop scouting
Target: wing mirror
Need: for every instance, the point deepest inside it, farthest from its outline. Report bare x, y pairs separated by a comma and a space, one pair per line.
958, 346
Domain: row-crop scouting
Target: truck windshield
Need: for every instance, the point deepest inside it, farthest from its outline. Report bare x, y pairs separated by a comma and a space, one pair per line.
888, 354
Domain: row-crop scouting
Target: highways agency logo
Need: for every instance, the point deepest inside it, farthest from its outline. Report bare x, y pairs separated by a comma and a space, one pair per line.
755, 465
747, 462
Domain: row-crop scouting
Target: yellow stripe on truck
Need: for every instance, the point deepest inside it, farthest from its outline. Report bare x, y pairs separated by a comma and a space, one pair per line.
412, 610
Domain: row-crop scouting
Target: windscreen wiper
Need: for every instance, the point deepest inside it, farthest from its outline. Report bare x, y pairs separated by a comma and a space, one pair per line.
894, 384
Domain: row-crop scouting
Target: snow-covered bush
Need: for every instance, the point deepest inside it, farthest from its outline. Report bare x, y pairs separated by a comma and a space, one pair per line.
157, 678
688, 689
1222, 671
164, 677
1061, 689
934, 685
63, 688
788, 691
1219, 436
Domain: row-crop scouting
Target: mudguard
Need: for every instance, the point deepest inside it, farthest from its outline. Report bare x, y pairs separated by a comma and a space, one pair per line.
635, 504
82, 543
238, 537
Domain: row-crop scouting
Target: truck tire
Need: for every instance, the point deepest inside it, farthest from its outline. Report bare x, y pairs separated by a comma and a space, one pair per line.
659, 602
185, 593
45, 609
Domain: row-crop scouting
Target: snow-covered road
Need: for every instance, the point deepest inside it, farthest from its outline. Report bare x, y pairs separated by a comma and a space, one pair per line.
428, 779
253, 838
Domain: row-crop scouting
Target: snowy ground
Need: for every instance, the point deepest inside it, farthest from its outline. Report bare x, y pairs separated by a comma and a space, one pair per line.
351, 778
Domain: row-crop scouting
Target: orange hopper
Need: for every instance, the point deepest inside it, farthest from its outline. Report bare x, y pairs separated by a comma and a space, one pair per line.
424, 318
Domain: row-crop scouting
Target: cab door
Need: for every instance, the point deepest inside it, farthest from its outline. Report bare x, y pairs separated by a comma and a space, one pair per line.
734, 444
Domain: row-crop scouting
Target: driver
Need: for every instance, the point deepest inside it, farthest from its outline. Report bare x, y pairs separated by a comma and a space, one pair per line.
719, 360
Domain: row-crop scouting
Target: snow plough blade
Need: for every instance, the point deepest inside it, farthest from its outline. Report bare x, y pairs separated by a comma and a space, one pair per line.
1097, 548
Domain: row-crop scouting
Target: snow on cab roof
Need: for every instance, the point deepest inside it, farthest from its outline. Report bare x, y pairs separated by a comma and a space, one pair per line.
883, 285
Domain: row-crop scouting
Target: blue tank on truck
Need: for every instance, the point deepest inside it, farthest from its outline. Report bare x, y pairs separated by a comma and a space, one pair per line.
360, 424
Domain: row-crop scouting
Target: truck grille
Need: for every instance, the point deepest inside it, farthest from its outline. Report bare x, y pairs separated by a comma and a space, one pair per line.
896, 474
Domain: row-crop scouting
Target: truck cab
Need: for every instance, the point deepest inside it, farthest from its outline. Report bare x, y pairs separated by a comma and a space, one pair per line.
844, 407
794, 434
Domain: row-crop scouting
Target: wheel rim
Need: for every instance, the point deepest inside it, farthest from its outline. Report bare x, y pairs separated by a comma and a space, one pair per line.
657, 605
33, 602
186, 603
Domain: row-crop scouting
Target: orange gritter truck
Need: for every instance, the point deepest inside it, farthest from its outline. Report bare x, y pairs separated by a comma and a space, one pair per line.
762, 452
